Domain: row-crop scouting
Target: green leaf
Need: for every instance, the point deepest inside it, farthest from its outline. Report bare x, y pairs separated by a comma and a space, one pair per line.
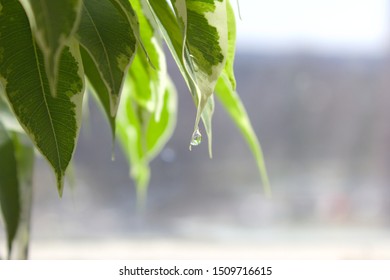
97, 86
207, 40
52, 123
197, 37
232, 103
16, 173
207, 116
148, 108
129, 133
9, 187
24, 154
173, 35
141, 134
152, 78
54, 22
170, 30
226, 93
229, 67
109, 45
127, 9
207, 110
158, 131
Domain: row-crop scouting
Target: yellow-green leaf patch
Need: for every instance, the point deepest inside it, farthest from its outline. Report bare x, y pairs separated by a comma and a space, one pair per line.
53, 22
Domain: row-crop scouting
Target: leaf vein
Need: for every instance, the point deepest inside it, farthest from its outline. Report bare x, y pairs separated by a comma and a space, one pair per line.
103, 46
47, 106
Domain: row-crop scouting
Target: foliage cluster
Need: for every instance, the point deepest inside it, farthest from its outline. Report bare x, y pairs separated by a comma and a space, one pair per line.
54, 53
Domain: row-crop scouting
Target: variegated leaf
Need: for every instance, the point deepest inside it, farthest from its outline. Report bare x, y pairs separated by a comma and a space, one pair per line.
108, 42
207, 41
52, 123
127, 8
152, 75
141, 135
233, 105
173, 31
147, 114
53, 22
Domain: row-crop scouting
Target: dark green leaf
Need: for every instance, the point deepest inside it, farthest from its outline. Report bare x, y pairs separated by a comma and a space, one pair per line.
9, 186
54, 22
109, 45
52, 123
24, 154
98, 86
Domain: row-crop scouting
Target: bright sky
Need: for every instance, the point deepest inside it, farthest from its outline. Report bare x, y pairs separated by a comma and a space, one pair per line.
346, 26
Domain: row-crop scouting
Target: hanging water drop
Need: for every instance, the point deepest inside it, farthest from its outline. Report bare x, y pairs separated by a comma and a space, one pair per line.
196, 138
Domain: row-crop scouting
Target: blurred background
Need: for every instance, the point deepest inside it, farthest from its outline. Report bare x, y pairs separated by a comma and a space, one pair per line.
314, 77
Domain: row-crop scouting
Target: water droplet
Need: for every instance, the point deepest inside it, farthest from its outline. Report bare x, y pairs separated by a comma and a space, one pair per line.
196, 138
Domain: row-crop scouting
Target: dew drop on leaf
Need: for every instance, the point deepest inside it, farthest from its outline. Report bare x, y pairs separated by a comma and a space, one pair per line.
196, 138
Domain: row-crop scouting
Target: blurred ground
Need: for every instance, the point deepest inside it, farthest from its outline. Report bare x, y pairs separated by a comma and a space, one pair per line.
299, 243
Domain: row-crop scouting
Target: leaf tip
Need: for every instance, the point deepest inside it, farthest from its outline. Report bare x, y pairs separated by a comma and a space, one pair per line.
142, 182
60, 184
267, 188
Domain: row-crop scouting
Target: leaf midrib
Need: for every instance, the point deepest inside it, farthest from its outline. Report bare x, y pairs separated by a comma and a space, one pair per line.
47, 106
45, 19
104, 49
